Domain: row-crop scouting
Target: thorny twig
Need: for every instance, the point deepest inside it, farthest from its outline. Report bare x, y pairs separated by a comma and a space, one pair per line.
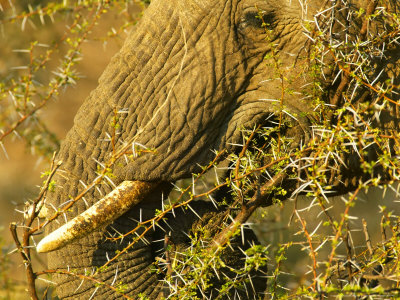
24, 247
55, 87
263, 194
89, 278
336, 100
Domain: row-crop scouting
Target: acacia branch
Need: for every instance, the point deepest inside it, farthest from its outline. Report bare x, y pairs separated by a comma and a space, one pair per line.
24, 247
25, 253
86, 277
262, 195
336, 100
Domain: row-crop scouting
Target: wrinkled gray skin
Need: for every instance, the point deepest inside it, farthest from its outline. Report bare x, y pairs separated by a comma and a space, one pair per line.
190, 75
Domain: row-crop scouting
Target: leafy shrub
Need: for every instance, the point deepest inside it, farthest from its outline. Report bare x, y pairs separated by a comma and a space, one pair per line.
262, 173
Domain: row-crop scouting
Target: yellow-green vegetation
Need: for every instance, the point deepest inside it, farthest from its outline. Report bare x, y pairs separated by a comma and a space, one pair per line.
330, 249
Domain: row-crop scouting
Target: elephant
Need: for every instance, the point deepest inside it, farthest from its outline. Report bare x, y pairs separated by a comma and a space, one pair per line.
190, 76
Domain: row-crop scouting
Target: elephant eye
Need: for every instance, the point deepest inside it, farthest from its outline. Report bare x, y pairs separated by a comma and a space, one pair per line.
259, 19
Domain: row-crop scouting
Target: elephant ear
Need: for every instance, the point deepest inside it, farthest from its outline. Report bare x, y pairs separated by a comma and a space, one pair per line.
184, 256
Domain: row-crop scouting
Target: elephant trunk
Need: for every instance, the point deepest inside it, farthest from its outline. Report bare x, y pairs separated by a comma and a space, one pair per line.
143, 119
86, 151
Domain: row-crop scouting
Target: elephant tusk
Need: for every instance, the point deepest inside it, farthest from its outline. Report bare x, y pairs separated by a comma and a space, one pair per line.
113, 205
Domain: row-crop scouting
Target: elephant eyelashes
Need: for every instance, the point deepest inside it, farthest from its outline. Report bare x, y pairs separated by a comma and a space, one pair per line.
258, 19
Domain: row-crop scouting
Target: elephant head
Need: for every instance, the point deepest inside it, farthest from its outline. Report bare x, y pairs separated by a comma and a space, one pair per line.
190, 76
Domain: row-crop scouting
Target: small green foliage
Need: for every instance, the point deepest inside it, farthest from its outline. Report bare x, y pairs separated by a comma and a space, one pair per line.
121, 287
353, 145
196, 271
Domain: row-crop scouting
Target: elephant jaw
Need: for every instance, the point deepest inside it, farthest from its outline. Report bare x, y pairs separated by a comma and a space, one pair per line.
113, 205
